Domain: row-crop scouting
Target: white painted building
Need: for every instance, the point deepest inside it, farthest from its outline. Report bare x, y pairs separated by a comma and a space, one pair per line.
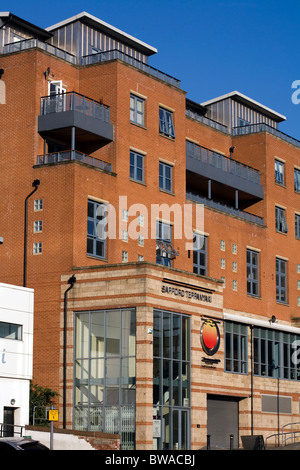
16, 352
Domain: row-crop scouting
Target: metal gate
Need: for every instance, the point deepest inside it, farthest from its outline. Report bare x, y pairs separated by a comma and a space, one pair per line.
223, 421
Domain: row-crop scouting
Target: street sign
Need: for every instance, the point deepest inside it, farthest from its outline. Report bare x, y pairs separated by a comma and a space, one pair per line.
53, 415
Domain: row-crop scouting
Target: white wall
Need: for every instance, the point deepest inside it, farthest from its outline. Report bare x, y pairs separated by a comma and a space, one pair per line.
16, 306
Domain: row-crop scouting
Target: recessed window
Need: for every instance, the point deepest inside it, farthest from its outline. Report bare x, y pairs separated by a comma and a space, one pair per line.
281, 280
252, 272
125, 215
297, 180
166, 124
234, 266
222, 263
141, 240
140, 258
137, 110
96, 223
222, 245
125, 235
297, 226
10, 331
38, 204
234, 285
164, 249
280, 220
141, 220
165, 176
136, 166
279, 172
124, 256
236, 348
38, 226
234, 248
37, 248
200, 254
298, 268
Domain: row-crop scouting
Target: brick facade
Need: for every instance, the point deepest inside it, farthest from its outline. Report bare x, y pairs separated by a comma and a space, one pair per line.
65, 188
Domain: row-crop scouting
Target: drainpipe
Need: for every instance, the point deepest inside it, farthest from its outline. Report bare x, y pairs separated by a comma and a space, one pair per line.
71, 281
35, 184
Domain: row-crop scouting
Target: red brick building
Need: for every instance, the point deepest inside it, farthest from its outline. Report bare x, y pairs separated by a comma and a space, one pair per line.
175, 218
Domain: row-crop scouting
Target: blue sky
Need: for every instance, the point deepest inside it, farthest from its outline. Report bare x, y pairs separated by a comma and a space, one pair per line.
213, 47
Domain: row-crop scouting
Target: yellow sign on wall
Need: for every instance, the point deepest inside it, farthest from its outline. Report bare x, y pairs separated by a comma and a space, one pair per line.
53, 415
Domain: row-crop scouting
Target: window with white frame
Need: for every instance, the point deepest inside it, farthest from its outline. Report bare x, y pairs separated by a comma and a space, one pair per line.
37, 248
38, 226
38, 205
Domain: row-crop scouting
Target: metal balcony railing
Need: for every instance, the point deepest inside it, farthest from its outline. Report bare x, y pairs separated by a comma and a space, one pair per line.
262, 127
247, 216
88, 59
73, 155
73, 101
222, 162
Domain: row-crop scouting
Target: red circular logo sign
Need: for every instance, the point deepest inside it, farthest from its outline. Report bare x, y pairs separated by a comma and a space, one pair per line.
210, 337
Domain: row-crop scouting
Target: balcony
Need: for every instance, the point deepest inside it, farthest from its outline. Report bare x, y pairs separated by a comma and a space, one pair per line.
246, 216
69, 155
66, 116
225, 177
262, 127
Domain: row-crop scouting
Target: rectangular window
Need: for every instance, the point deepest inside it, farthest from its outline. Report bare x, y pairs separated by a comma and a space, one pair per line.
137, 110
165, 177
234, 248
222, 245
297, 179
236, 348
297, 226
279, 172
38, 226
105, 377
281, 280
234, 266
10, 331
171, 375
280, 220
37, 248
164, 249
124, 256
252, 272
136, 166
38, 204
234, 285
273, 354
200, 254
166, 125
96, 223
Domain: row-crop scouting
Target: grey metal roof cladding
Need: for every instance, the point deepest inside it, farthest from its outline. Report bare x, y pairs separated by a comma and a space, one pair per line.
99, 24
